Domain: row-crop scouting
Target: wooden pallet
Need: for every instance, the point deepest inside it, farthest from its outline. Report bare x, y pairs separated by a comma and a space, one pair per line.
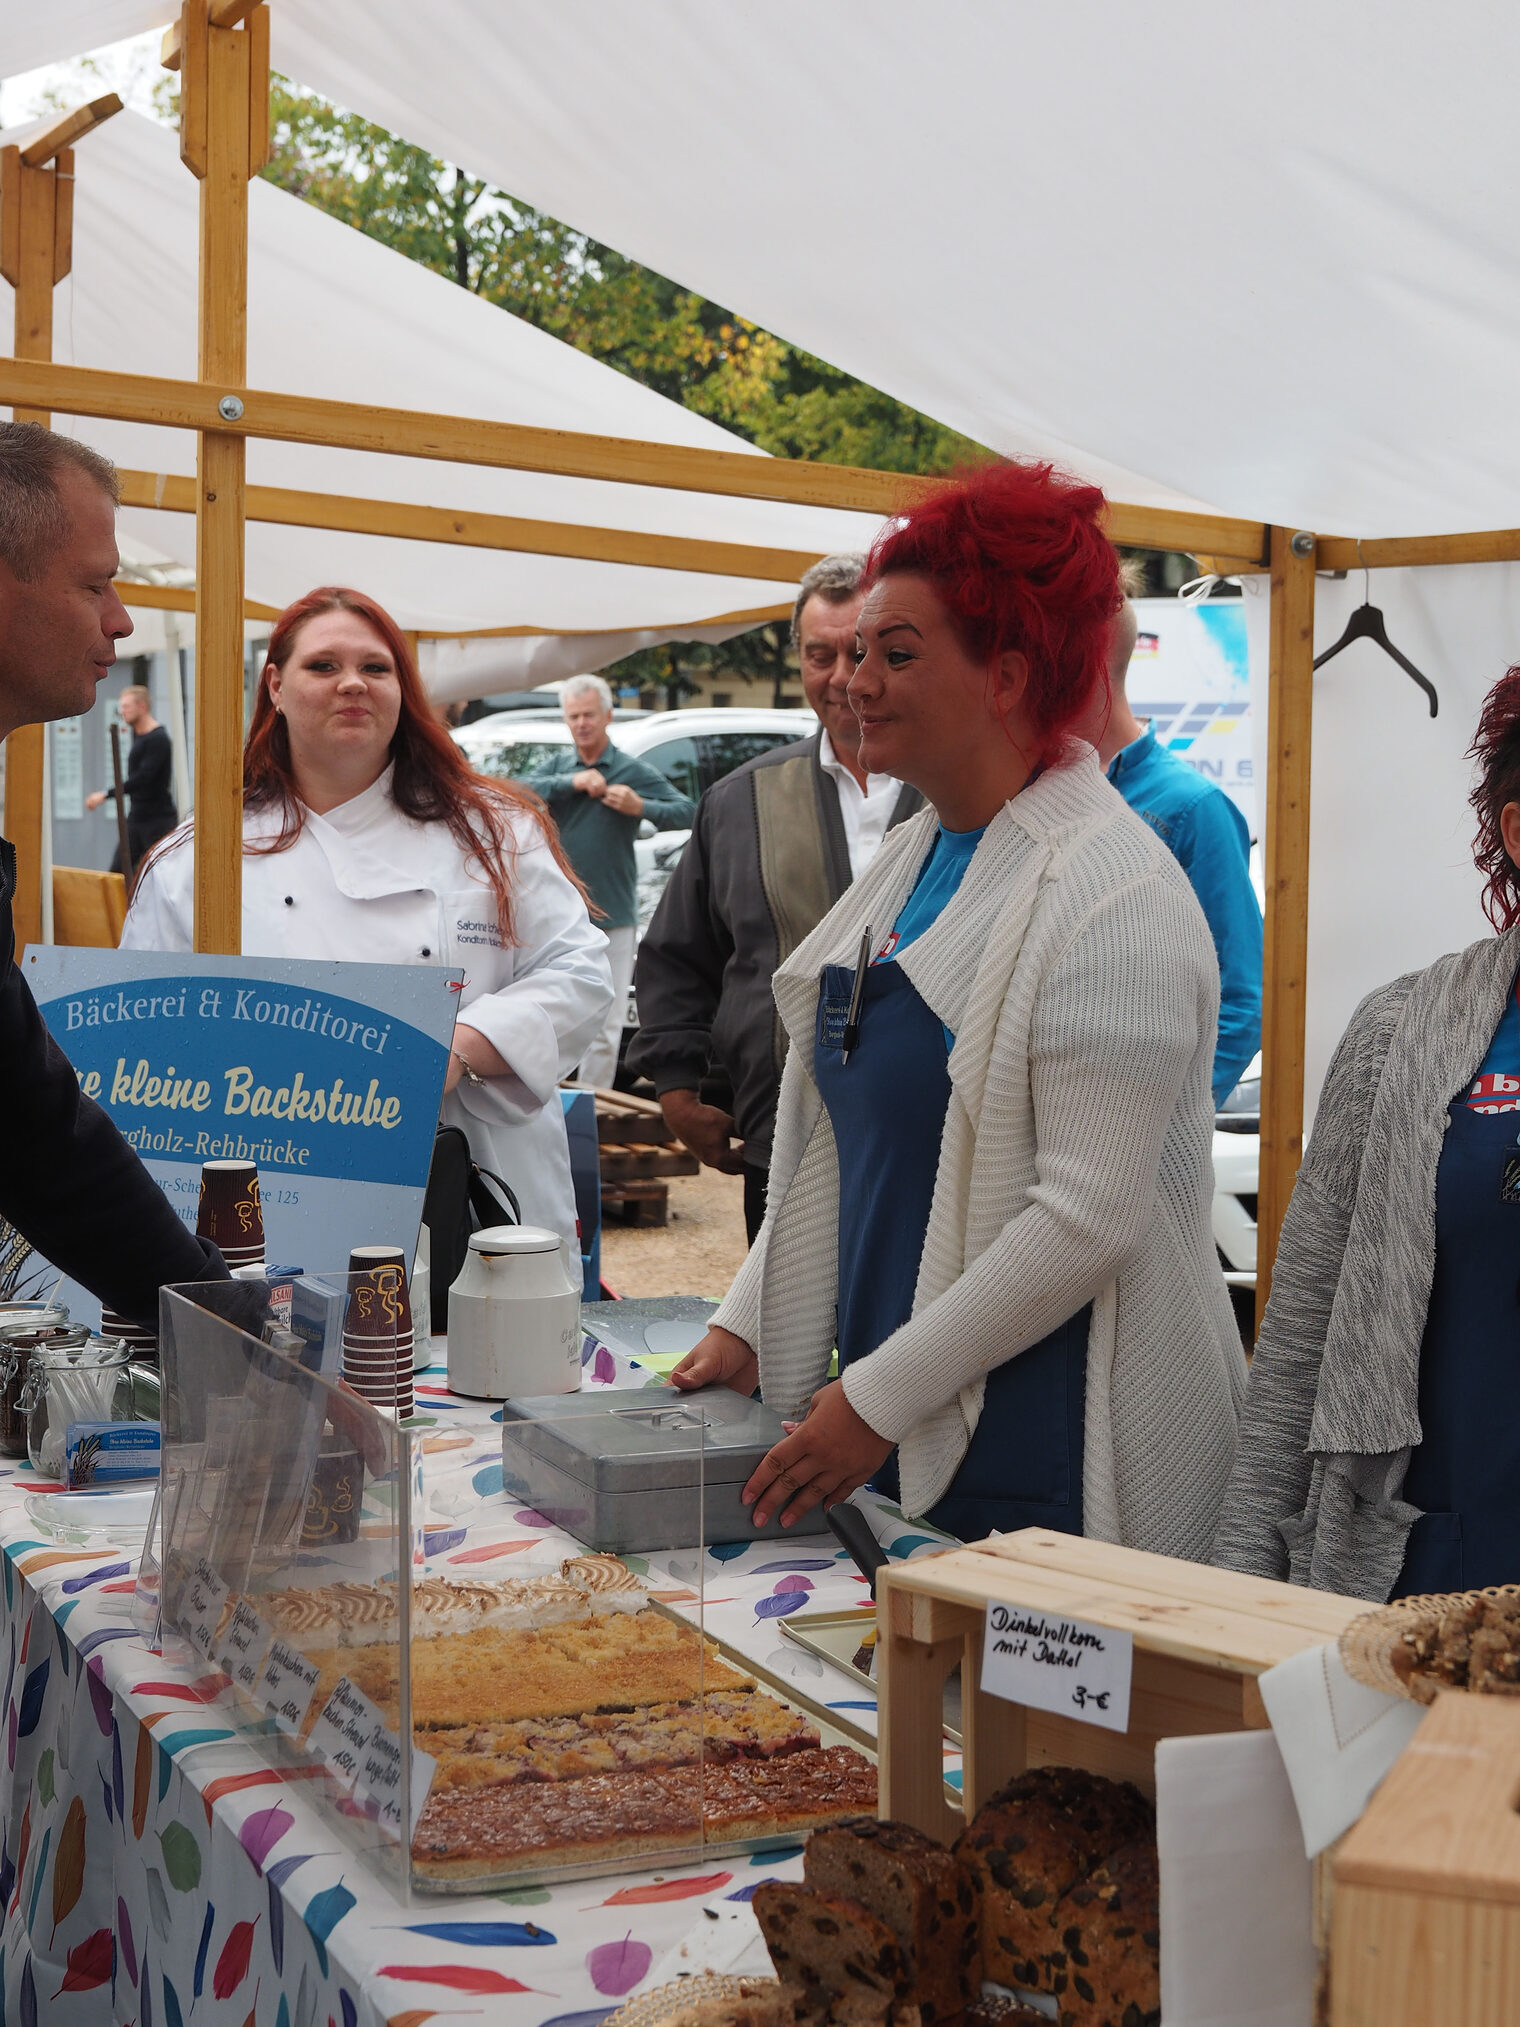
1202, 1637
1426, 1928
639, 1153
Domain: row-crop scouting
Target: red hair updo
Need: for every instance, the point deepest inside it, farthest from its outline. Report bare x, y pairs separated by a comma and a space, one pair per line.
1496, 748
432, 781
1018, 556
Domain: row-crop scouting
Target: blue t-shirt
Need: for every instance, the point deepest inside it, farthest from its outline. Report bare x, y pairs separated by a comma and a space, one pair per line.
933, 891
1496, 1088
1208, 837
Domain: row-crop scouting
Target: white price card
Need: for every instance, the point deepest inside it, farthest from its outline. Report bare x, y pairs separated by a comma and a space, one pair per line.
1061, 1665
379, 1782
201, 1606
286, 1686
244, 1645
343, 1731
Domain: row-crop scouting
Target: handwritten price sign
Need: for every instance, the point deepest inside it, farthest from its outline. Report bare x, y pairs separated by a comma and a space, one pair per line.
1061, 1665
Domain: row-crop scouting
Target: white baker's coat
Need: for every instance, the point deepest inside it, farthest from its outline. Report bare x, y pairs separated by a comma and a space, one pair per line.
367, 884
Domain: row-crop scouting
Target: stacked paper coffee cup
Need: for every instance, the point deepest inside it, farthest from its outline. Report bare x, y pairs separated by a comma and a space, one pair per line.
231, 1215
377, 1328
118, 1329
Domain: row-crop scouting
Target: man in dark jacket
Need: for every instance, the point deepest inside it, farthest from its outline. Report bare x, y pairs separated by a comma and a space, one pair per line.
776, 843
69, 1183
149, 780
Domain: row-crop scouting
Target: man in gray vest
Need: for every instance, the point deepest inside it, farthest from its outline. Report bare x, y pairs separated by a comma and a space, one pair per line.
775, 844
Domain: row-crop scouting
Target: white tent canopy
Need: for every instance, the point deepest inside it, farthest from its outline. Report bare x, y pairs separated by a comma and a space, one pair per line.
1206, 256
334, 313
1263, 263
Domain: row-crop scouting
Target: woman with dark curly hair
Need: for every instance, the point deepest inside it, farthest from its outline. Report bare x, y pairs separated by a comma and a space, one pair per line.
991, 1178
367, 836
1380, 1443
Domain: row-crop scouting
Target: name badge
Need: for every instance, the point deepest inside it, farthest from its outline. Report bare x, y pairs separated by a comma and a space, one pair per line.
837, 984
831, 1031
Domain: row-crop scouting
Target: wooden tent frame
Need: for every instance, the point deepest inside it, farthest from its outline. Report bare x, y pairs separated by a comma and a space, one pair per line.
221, 49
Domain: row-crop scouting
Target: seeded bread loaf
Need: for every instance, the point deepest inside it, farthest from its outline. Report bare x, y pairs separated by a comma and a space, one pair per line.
1041, 1835
923, 1894
1110, 1935
849, 1966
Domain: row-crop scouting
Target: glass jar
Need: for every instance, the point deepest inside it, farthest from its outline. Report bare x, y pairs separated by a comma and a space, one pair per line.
20, 1320
73, 1377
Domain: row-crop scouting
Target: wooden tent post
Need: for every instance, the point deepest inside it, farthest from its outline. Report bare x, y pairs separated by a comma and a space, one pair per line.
1290, 725
224, 140
36, 252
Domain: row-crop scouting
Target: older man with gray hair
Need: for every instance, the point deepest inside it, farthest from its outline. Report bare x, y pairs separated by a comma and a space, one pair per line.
599, 796
775, 845
69, 1183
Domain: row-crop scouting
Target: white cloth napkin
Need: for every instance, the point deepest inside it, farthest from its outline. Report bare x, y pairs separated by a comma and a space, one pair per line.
1237, 1943
1338, 1739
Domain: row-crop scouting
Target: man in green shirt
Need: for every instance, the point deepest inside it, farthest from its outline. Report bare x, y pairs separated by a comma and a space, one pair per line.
598, 797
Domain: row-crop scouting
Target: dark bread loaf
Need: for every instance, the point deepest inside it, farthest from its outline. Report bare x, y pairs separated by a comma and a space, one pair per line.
849, 1966
922, 1893
1110, 1933
1036, 1839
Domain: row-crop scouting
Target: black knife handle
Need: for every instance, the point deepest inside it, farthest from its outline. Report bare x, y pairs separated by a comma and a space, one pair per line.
852, 1531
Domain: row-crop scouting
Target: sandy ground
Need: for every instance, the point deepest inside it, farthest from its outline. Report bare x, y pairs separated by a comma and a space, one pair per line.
697, 1253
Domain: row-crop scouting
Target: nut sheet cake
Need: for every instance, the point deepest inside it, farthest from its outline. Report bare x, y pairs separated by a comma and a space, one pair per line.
570, 1724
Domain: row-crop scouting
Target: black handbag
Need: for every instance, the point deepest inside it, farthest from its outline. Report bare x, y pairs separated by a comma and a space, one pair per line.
462, 1197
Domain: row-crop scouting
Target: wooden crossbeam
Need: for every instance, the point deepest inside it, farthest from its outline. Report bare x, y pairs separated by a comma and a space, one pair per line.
69, 128
181, 598
289, 508
1396, 552
757, 615
456, 439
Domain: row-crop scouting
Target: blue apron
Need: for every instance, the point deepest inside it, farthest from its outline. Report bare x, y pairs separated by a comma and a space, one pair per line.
887, 1107
1465, 1473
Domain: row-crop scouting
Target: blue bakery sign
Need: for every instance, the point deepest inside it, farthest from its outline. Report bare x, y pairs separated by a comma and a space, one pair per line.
328, 1076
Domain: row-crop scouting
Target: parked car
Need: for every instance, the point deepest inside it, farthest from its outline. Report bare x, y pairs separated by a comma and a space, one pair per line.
540, 703
693, 749
1237, 1164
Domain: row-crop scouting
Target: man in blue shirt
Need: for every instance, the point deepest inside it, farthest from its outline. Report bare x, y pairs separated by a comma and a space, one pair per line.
1208, 836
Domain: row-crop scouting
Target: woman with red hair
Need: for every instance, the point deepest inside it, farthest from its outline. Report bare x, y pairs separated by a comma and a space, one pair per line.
1380, 1440
991, 1183
367, 836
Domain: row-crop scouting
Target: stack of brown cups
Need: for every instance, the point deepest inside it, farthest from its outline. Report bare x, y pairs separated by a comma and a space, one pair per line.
377, 1328
117, 1329
231, 1215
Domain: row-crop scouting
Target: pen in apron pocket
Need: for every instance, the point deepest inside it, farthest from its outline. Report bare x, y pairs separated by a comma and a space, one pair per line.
852, 1018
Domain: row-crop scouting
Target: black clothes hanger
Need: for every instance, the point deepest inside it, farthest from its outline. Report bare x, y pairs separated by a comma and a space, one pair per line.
1367, 623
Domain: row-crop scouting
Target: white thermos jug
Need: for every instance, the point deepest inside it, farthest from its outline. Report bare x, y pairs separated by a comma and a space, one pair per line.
515, 1315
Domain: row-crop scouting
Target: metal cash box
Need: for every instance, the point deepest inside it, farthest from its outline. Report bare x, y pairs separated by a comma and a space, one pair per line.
636, 1471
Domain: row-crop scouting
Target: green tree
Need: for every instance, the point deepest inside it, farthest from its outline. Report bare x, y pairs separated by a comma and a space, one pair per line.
686, 348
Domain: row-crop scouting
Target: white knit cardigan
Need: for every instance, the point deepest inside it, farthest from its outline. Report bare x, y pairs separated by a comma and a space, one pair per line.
1076, 971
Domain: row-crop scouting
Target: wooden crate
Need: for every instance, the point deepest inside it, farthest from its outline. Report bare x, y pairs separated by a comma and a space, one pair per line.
1426, 1924
1202, 1636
